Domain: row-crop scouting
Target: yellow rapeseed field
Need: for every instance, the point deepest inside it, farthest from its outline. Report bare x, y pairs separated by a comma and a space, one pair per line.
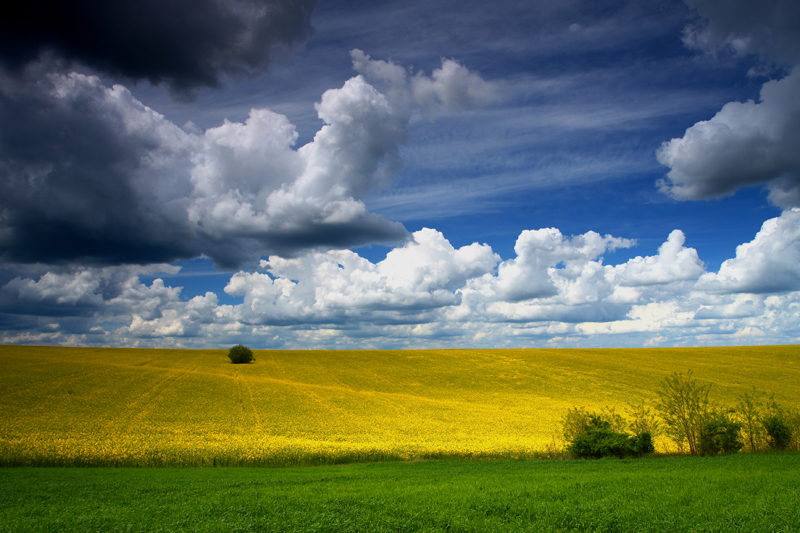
87, 406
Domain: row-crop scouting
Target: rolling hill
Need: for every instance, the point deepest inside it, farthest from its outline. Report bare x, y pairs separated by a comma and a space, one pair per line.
115, 406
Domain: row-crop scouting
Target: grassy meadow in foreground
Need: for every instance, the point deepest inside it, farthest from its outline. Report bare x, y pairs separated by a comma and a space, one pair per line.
140, 407
744, 492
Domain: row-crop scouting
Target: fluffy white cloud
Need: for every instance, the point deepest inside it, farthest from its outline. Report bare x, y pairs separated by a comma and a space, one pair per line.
60, 289
251, 184
176, 319
534, 274
335, 286
743, 144
555, 279
76, 291
770, 263
252, 158
674, 262
731, 306
449, 88
651, 317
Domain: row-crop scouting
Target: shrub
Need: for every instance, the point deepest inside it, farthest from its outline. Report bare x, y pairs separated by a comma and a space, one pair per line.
793, 421
782, 426
240, 354
720, 434
642, 443
598, 443
599, 439
779, 434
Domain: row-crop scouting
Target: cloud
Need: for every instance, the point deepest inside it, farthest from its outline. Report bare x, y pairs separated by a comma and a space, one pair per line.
767, 28
88, 172
737, 307
104, 305
251, 183
556, 279
674, 262
533, 273
340, 286
90, 175
179, 319
184, 43
744, 144
748, 143
88, 292
770, 263
428, 293
452, 87
553, 278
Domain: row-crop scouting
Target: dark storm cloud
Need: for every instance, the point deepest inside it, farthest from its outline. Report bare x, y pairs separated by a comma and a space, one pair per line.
89, 175
185, 43
67, 173
769, 28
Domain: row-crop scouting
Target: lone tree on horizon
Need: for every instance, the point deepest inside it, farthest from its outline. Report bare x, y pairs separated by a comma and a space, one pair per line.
240, 354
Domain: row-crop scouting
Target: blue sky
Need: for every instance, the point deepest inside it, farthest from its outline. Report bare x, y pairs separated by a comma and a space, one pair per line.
402, 174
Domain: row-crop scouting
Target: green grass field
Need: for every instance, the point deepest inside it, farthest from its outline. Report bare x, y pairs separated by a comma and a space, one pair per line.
744, 492
147, 407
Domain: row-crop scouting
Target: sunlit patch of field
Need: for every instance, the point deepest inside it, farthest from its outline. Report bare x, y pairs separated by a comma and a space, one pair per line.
100, 406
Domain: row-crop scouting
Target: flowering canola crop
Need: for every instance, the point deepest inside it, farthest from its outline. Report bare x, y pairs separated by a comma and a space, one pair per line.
140, 407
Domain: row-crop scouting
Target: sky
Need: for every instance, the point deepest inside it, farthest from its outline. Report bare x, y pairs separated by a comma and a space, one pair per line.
304, 174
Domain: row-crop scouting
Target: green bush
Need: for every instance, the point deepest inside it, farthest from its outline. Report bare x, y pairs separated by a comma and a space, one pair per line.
598, 443
642, 443
598, 439
240, 354
779, 434
719, 434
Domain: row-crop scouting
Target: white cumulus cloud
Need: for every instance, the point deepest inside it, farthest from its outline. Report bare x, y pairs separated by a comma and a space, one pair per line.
674, 262
769, 263
745, 143
334, 286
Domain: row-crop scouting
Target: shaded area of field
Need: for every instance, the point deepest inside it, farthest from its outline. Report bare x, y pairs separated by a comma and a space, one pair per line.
745, 492
131, 407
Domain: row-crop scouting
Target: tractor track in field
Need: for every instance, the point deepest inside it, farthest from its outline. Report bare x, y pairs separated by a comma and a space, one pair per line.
149, 399
242, 382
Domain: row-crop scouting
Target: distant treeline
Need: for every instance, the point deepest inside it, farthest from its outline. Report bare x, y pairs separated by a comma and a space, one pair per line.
686, 415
